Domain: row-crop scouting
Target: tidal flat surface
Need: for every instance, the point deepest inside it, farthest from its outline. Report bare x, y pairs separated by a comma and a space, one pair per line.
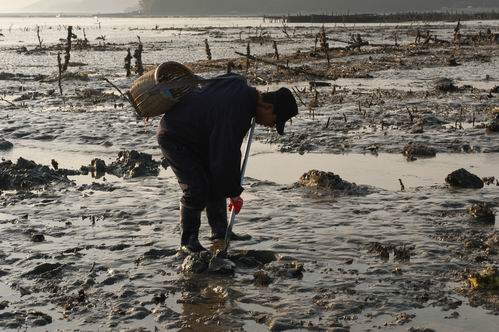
98, 252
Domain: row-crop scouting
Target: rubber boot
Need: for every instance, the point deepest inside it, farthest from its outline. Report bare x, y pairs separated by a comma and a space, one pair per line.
190, 221
216, 211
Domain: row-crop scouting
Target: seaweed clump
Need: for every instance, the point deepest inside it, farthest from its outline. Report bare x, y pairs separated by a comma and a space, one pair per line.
26, 175
132, 164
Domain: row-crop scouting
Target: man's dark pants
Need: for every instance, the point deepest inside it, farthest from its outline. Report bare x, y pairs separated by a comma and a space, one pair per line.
193, 177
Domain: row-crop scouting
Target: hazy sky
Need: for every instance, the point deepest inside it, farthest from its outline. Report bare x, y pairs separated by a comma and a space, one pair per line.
79, 5
12, 5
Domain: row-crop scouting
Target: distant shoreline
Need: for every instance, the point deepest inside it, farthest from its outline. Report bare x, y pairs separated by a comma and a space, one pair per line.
298, 18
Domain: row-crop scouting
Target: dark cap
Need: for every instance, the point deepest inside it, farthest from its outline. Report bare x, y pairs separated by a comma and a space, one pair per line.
284, 106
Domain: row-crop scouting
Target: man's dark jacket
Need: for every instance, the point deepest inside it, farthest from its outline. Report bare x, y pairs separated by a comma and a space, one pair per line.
212, 122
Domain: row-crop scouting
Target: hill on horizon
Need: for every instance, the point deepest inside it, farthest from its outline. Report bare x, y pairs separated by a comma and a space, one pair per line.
214, 7
253, 7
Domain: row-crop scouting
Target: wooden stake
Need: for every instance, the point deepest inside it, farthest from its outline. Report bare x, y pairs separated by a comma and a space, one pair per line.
67, 56
207, 49
59, 64
128, 63
402, 187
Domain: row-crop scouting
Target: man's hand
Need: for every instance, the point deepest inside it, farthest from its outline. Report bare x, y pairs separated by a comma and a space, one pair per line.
236, 203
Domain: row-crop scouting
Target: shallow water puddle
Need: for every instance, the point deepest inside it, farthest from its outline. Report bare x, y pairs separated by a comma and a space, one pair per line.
439, 320
382, 170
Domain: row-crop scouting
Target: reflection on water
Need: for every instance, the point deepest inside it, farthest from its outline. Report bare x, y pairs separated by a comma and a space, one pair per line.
383, 170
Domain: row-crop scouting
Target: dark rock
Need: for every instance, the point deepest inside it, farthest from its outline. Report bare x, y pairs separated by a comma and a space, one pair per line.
44, 269
482, 212
464, 179
5, 145
131, 164
25, 164
380, 250
331, 182
26, 174
196, 263
159, 298
84, 170
99, 166
493, 125
164, 163
262, 278
221, 265
252, 258
489, 180
403, 253
38, 238
445, 85
418, 150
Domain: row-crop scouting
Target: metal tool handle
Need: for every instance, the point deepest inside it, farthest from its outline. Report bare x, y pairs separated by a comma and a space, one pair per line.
243, 170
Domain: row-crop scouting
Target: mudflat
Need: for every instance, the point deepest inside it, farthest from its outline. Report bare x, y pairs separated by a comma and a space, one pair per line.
375, 212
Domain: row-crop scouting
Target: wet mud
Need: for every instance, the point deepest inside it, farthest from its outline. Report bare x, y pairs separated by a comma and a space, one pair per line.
95, 247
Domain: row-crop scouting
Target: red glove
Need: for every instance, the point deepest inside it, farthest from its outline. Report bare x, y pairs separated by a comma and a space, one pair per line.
236, 203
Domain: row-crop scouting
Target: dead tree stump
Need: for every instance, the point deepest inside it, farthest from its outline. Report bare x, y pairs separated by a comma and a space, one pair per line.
207, 49
60, 66
139, 66
128, 63
67, 56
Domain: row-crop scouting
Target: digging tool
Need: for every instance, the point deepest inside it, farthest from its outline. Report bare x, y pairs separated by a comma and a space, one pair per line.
243, 170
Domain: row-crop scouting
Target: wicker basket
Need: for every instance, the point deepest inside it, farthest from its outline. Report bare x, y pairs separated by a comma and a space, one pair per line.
155, 92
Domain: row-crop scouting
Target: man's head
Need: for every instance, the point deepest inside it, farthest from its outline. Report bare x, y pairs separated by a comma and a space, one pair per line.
275, 108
